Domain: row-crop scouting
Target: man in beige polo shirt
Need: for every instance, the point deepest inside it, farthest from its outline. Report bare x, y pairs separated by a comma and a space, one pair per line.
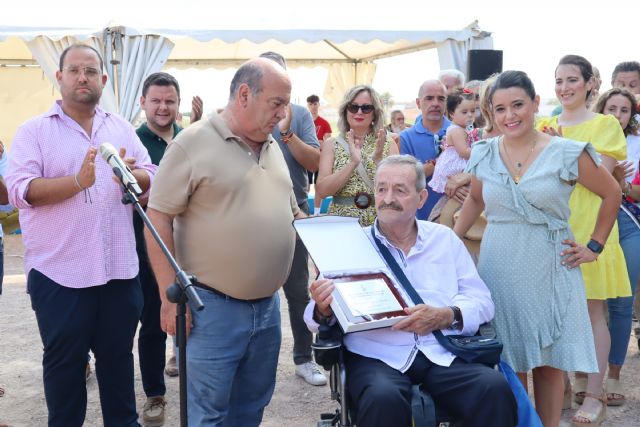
223, 202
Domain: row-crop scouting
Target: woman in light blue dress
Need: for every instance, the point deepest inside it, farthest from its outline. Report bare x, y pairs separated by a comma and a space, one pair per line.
528, 258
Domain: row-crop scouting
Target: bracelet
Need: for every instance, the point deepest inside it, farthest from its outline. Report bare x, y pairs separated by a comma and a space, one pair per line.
287, 132
75, 178
286, 137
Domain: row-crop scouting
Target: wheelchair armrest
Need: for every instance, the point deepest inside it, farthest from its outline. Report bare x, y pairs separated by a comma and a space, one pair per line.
326, 348
487, 330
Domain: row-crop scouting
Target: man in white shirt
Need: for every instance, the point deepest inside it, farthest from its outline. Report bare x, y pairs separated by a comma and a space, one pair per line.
383, 364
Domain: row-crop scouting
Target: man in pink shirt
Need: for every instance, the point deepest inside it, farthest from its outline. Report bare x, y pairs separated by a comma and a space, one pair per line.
80, 256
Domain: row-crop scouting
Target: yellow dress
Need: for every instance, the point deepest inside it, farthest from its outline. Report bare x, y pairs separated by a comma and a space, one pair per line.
607, 277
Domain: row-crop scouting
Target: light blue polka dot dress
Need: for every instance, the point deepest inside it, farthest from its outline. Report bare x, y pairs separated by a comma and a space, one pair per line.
541, 308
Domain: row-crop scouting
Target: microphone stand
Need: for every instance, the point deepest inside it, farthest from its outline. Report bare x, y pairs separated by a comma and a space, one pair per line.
179, 293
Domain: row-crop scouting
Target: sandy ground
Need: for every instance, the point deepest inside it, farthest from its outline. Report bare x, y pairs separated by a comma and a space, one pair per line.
294, 403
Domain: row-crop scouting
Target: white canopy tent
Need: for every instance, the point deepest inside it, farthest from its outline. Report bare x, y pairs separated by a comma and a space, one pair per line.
131, 54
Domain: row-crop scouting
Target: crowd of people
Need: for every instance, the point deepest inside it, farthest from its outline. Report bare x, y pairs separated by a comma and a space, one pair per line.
556, 270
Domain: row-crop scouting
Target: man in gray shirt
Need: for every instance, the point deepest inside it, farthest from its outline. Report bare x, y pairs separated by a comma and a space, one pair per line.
296, 136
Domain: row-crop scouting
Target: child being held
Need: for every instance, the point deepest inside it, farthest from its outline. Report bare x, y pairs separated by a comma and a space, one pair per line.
456, 146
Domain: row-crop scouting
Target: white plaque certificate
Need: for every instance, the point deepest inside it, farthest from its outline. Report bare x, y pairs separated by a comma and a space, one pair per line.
368, 297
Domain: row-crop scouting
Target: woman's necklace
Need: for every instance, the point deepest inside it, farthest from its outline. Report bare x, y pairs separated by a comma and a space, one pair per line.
518, 165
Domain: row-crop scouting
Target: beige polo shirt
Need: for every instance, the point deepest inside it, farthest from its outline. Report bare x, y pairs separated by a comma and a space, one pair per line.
233, 225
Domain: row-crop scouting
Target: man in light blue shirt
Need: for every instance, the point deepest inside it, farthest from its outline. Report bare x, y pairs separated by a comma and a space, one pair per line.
383, 364
423, 139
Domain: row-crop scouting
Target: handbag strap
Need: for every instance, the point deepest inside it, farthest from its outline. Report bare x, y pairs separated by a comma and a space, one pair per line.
360, 169
404, 280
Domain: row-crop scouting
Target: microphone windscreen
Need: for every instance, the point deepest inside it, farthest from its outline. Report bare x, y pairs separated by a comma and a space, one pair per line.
107, 150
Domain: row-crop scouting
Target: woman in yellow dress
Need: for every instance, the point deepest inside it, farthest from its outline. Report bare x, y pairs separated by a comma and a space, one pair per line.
606, 278
348, 162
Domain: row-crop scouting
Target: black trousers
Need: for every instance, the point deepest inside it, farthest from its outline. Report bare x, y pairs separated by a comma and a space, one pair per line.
382, 395
152, 339
72, 322
296, 290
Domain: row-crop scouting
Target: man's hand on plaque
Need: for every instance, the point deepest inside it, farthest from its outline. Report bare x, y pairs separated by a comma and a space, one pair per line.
424, 319
321, 293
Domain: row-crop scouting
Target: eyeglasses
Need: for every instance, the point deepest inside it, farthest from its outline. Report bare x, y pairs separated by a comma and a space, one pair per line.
365, 108
89, 72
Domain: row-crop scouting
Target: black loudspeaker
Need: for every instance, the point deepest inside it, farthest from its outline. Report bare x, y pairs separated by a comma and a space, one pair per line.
481, 64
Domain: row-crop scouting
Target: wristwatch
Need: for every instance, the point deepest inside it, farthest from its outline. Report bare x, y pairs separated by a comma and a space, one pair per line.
457, 317
595, 246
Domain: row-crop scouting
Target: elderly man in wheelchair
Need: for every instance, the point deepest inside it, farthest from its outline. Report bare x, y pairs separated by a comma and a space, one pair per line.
383, 365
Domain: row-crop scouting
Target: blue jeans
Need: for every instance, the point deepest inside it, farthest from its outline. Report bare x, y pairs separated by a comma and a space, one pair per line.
232, 356
1, 263
621, 309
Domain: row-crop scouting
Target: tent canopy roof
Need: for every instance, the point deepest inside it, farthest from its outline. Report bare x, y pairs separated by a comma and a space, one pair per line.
229, 48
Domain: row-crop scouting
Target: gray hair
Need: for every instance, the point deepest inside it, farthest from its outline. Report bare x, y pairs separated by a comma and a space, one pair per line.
349, 96
452, 73
406, 160
473, 84
275, 57
249, 74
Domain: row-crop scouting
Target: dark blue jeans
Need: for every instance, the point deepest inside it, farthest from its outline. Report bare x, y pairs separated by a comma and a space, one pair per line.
102, 319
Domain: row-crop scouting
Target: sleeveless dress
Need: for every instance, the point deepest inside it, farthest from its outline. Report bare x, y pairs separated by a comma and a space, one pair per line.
449, 162
356, 184
541, 309
606, 278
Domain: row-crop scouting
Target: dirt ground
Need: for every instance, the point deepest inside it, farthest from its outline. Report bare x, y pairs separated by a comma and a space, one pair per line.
294, 402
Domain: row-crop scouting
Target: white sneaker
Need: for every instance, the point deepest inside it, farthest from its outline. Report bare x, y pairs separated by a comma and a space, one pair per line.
311, 373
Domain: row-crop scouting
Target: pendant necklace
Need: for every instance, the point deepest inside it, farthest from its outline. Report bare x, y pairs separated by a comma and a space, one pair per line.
518, 165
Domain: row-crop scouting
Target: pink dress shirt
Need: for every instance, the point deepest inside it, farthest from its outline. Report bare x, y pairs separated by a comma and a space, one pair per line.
86, 240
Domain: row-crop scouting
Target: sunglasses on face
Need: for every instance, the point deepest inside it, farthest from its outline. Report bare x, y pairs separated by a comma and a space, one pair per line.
365, 108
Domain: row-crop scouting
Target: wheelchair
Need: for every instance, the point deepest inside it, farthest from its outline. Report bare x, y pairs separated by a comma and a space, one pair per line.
329, 353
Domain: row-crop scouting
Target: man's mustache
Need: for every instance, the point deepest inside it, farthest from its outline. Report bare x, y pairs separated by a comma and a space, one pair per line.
392, 205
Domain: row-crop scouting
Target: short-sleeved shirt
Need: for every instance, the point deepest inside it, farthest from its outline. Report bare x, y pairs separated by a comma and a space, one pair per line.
156, 146
322, 127
233, 212
419, 142
302, 126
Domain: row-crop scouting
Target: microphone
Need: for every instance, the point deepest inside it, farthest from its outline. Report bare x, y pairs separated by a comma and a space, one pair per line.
120, 168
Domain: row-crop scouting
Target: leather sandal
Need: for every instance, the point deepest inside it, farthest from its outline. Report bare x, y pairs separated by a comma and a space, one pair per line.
583, 418
615, 393
579, 390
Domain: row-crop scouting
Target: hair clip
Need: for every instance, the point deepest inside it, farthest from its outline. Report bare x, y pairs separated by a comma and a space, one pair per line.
467, 91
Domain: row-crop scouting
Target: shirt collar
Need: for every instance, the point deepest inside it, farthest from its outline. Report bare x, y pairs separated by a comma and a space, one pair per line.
420, 238
144, 128
56, 110
221, 127
419, 126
